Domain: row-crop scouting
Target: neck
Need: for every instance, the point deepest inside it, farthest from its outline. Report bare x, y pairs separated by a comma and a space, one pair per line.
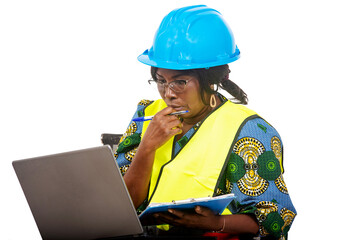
207, 109
199, 117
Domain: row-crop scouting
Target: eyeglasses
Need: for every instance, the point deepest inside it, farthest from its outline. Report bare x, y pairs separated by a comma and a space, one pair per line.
177, 86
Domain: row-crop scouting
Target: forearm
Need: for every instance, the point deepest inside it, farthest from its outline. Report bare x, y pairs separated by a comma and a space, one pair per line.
138, 175
159, 131
238, 224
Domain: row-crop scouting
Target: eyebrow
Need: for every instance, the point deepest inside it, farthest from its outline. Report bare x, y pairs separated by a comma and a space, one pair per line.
175, 76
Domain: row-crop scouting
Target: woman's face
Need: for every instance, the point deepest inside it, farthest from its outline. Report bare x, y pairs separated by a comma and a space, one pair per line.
188, 99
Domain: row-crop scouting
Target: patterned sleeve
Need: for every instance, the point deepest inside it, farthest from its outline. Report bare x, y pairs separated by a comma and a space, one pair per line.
255, 175
130, 140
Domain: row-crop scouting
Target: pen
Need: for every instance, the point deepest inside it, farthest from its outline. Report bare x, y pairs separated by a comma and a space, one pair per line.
141, 119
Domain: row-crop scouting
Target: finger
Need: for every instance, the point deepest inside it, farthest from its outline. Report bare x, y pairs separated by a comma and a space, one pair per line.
166, 111
173, 118
165, 122
175, 125
203, 211
176, 131
176, 213
166, 218
162, 115
165, 118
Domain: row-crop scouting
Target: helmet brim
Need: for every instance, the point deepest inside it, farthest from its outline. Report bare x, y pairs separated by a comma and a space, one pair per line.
145, 58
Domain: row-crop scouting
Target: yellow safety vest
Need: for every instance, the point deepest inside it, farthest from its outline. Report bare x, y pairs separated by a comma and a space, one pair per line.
195, 170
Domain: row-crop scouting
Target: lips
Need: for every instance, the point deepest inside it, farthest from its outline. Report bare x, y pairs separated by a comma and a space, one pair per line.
177, 108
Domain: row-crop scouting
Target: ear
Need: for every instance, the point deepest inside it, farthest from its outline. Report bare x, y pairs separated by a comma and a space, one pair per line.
214, 87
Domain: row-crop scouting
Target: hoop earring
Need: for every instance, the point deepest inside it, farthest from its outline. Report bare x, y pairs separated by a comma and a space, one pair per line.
213, 101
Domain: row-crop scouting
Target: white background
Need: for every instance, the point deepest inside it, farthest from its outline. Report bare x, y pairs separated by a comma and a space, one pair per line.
69, 72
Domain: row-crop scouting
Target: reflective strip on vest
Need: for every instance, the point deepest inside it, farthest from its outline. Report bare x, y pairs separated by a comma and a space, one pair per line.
194, 172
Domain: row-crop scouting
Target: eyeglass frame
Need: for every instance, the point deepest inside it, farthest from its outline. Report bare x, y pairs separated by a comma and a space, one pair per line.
164, 85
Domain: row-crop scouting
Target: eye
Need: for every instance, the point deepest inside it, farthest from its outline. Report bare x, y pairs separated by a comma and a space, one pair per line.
161, 81
180, 82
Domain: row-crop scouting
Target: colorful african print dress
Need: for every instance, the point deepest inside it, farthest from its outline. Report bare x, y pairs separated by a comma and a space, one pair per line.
254, 172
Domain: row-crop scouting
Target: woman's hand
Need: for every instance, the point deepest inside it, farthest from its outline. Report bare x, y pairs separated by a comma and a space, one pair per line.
201, 218
161, 128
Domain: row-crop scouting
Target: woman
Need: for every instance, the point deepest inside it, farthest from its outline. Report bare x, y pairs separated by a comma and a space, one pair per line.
216, 147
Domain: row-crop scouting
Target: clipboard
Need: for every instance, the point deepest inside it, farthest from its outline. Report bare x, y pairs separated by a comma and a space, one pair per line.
216, 204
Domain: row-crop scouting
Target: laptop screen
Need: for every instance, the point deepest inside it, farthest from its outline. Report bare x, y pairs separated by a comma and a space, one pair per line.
78, 195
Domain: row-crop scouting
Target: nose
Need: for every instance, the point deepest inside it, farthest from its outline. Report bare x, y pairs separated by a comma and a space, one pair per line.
169, 93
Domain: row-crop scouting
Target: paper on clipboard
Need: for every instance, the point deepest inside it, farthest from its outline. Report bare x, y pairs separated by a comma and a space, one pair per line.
216, 204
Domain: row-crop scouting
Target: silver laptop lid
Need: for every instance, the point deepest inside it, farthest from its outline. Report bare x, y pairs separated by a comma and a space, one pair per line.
78, 195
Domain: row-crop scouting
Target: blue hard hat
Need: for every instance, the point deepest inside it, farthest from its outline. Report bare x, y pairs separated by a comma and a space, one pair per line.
191, 37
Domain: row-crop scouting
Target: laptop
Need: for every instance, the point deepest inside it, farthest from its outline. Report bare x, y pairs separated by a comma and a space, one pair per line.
78, 195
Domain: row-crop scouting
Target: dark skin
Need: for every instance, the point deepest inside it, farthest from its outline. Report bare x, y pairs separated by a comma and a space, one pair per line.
163, 127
